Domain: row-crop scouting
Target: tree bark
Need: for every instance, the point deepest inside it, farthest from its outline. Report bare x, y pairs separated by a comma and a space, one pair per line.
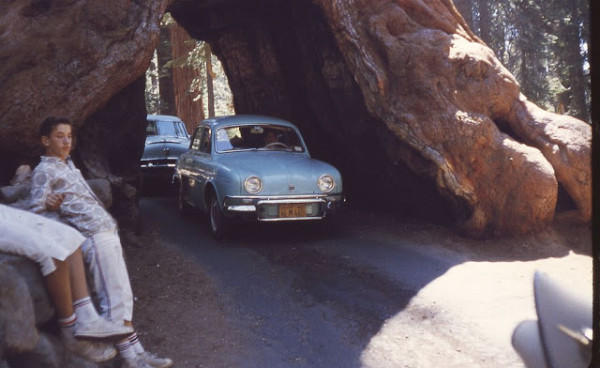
465, 9
68, 60
411, 105
109, 149
485, 22
166, 83
188, 109
574, 60
210, 89
439, 89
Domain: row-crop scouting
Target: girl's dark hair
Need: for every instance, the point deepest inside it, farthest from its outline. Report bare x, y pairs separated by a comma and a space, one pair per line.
50, 122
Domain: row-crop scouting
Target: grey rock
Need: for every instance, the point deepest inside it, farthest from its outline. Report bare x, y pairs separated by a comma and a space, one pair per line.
24, 307
13, 193
17, 317
22, 268
43, 355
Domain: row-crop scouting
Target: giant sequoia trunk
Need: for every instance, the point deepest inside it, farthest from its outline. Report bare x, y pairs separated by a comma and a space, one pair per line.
67, 58
439, 89
188, 108
400, 94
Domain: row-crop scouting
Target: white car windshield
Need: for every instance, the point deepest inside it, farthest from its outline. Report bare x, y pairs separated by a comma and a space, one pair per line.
258, 137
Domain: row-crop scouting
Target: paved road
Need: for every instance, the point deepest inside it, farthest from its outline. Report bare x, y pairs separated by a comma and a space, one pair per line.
352, 292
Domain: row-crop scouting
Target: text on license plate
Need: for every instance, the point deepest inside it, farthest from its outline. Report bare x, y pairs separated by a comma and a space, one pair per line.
292, 210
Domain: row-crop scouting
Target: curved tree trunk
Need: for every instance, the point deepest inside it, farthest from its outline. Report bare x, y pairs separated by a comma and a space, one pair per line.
376, 86
439, 89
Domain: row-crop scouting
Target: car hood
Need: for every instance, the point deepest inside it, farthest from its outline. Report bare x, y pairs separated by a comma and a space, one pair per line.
282, 173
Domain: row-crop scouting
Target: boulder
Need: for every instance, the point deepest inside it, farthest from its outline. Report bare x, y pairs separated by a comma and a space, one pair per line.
29, 334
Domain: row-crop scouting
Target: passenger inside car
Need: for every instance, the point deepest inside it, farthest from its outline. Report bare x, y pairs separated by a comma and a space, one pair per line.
150, 129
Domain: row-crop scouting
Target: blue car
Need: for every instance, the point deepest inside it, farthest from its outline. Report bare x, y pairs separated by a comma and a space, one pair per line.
166, 139
257, 168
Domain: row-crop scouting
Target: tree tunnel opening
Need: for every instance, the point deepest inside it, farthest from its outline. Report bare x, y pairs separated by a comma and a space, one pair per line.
344, 74
185, 78
283, 61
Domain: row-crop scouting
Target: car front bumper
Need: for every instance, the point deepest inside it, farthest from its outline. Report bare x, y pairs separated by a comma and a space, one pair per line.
163, 168
282, 208
158, 163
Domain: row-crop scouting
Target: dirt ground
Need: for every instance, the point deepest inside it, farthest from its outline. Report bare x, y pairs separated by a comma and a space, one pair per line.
168, 287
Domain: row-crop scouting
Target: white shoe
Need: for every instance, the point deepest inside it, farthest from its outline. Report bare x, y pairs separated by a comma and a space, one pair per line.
155, 361
100, 328
136, 362
92, 350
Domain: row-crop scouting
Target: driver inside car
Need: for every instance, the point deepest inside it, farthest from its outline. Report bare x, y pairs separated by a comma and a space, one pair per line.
270, 137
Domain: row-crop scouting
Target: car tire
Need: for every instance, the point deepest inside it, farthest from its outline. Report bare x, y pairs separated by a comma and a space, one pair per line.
216, 220
183, 207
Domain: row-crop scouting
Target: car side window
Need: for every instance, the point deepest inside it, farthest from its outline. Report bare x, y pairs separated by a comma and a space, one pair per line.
201, 141
151, 128
181, 129
197, 139
205, 142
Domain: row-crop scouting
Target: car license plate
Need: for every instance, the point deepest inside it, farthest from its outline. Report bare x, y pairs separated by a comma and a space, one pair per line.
292, 210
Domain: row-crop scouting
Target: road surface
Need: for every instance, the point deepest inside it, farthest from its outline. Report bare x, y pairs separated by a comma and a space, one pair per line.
367, 289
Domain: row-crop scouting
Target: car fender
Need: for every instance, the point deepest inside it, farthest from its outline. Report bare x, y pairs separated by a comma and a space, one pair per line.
225, 181
321, 167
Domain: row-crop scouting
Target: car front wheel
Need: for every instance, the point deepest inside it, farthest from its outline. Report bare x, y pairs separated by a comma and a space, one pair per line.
217, 222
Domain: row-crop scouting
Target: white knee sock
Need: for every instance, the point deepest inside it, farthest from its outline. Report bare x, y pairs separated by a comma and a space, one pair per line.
84, 309
126, 349
135, 342
67, 326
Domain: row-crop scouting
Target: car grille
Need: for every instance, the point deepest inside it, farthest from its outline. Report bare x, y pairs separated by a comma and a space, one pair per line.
158, 163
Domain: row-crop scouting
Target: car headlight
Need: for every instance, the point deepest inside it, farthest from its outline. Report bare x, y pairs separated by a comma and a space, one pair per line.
253, 184
326, 183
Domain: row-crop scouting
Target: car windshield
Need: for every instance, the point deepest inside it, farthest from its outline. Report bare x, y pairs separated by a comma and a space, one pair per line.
258, 137
167, 128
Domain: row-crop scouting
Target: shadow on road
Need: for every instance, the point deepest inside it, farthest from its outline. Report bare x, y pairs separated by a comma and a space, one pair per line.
315, 293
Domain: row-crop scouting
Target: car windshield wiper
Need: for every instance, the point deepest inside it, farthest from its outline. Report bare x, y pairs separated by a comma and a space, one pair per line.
237, 149
274, 149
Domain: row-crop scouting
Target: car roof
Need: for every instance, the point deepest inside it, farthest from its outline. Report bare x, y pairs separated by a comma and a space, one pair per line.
163, 117
229, 120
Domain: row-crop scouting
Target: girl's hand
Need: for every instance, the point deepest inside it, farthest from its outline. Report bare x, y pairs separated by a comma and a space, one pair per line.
54, 200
